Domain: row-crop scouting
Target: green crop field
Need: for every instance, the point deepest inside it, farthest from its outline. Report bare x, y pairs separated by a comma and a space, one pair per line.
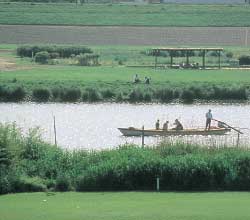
118, 14
127, 205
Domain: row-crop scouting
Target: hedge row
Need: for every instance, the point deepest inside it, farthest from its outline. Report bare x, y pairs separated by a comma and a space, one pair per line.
54, 51
187, 95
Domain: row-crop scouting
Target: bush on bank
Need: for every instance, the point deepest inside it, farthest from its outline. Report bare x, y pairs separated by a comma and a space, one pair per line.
27, 164
52, 51
133, 95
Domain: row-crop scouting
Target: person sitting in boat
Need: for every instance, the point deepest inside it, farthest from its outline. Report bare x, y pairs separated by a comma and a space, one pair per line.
165, 126
157, 125
178, 125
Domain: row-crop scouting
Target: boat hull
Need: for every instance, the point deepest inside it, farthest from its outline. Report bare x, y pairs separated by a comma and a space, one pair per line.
153, 132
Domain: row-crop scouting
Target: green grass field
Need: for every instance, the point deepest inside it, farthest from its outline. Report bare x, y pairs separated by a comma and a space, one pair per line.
117, 77
111, 74
129, 206
118, 14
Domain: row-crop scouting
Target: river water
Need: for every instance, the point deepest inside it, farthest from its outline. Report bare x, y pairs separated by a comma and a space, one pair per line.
94, 126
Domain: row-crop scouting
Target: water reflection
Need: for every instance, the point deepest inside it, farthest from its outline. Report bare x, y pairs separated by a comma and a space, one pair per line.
94, 126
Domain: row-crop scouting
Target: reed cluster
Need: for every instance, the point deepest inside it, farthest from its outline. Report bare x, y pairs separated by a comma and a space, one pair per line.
29, 164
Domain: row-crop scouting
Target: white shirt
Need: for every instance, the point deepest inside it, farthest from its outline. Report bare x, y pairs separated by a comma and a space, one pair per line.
209, 115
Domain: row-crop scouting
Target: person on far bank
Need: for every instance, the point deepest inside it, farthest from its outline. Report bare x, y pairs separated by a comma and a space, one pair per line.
209, 118
136, 78
147, 80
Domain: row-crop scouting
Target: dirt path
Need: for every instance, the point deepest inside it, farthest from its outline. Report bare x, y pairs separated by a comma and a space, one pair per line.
116, 35
6, 64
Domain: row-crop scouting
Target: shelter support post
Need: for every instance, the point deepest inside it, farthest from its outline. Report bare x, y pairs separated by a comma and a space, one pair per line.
203, 59
187, 55
171, 60
155, 60
219, 60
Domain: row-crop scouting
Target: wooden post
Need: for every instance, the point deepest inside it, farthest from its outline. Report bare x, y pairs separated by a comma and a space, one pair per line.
238, 140
156, 53
203, 59
219, 59
187, 54
158, 184
171, 60
142, 137
55, 129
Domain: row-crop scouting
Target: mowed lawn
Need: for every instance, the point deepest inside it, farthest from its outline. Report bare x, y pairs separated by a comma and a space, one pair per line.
125, 205
122, 14
47, 76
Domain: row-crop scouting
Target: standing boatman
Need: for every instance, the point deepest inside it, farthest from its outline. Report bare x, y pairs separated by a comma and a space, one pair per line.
209, 118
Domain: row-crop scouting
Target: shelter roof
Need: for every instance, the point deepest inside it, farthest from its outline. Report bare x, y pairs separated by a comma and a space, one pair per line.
187, 49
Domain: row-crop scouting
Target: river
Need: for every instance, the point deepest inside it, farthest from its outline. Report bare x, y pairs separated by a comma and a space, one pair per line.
94, 126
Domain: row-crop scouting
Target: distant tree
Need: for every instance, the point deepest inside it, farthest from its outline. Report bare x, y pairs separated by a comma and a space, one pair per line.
42, 57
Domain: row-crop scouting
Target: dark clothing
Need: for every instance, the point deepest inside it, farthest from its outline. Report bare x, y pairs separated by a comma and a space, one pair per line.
178, 127
208, 123
157, 125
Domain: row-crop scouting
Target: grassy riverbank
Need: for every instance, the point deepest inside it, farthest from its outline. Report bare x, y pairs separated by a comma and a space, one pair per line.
116, 83
23, 80
143, 15
129, 205
27, 164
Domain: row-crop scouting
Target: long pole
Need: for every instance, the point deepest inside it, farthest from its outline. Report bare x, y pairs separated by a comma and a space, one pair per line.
54, 119
229, 126
142, 137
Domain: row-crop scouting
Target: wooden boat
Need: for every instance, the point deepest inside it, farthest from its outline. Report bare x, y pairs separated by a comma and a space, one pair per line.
153, 132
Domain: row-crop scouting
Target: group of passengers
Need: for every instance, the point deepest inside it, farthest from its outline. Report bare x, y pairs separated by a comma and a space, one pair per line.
178, 125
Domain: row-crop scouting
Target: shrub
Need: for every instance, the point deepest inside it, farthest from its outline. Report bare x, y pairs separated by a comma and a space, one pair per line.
229, 54
41, 95
148, 97
28, 184
165, 95
221, 93
187, 96
119, 97
5, 185
54, 55
62, 184
87, 59
56, 93
94, 95
71, 95
136, 96
42, 57
108, 94
85, 96
17, 94
12, 95
244, 60
54, 51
